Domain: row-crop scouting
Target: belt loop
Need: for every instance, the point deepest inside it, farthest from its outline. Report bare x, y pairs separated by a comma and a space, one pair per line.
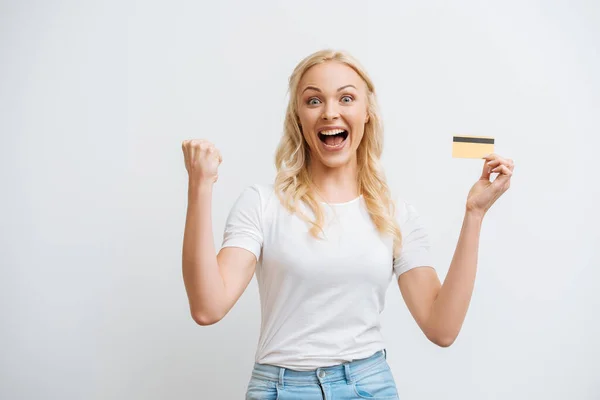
281, 372
349, 380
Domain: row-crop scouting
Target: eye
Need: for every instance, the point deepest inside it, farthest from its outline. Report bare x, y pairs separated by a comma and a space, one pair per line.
347, 99
313, 101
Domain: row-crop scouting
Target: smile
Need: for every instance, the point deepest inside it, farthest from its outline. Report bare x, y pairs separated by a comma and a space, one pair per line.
333, 138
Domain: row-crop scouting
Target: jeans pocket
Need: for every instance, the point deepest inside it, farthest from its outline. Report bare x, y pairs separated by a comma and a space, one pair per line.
261, 389
378, 384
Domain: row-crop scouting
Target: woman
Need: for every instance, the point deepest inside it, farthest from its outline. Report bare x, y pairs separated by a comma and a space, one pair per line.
328, 238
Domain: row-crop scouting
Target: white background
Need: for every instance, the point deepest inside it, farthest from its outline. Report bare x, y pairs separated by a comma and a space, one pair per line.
96, 98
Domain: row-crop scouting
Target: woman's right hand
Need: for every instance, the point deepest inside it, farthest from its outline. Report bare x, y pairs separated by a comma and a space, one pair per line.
202, 161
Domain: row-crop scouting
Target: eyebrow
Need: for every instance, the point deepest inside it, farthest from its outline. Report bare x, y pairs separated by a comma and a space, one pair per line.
319, 90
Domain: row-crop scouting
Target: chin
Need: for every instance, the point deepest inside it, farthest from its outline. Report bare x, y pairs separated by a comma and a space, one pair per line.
336, 160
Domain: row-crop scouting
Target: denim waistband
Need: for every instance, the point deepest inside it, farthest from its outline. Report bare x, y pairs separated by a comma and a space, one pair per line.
348, 371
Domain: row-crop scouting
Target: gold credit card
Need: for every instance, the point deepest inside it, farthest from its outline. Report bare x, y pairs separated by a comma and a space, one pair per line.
472, 146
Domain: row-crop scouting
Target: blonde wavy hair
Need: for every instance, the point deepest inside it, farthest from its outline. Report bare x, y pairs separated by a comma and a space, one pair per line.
293, 183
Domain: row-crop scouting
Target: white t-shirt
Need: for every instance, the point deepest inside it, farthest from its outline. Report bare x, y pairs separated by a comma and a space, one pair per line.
321, 299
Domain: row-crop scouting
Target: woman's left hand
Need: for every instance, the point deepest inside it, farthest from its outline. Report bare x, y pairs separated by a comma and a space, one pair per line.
484, 193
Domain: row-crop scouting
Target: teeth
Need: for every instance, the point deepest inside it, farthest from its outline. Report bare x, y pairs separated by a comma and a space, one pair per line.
332, 132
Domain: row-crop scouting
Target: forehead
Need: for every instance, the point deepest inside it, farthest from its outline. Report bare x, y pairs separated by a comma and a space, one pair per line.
331, 75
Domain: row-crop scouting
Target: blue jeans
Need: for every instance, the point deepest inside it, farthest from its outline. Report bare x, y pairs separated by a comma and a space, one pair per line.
368, 378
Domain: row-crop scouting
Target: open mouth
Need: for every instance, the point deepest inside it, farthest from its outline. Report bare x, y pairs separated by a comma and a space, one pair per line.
333, 138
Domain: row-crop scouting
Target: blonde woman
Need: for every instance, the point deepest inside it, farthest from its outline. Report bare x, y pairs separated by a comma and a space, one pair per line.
325, 241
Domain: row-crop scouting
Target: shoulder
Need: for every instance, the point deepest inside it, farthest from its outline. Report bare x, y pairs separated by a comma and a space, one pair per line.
257, 195
265, 190
404, 210
258, 191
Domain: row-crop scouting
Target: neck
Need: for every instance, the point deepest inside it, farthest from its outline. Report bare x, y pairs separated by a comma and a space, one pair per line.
336, 185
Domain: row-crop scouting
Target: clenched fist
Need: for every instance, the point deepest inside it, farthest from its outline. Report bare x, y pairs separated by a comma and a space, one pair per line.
202, 160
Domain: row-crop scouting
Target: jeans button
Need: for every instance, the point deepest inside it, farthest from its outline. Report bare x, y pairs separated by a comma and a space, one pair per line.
322, 374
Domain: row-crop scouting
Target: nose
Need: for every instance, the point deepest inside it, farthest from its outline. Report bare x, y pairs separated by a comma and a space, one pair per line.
330, 112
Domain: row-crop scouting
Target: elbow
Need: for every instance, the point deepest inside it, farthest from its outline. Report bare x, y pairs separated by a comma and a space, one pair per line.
445, 342
205, 319
442, 341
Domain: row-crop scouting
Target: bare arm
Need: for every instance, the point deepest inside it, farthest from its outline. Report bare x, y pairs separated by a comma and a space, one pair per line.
440, 310
213, 283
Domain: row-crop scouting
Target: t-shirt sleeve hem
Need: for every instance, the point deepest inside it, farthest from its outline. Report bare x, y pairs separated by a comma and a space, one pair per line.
248, 244
417, 260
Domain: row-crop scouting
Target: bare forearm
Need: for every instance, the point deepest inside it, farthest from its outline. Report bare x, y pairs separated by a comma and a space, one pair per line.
450, 307
203, 282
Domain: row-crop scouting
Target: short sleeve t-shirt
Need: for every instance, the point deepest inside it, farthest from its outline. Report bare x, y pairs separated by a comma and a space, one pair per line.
321, 299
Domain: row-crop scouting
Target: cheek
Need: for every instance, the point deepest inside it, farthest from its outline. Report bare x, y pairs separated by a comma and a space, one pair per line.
308, 116
357, 121
308, 136
355, 115
362, 115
